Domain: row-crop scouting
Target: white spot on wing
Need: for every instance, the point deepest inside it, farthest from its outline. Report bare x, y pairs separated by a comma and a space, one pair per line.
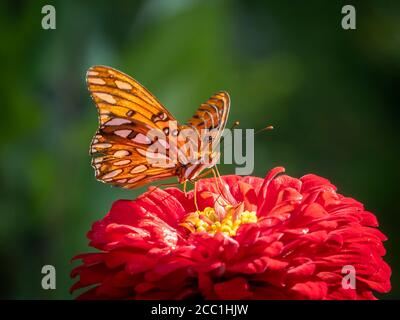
112, 174
123, 85
122, 133
121, 153
136, 178
163, 143
117, 122
96, 81
105, 97
122, 162
102, 145
98, 160
142, 139
139, 168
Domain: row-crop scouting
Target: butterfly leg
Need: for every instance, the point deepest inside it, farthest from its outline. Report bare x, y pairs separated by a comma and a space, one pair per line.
218, 179
223, 185
194, 193
211, 170
216, 176
203, 174
184, 188
195, 197
217, 171
216, 200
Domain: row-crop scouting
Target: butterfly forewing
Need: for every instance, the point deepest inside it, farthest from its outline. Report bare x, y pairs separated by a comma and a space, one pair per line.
119, 96
210, 118
127, 112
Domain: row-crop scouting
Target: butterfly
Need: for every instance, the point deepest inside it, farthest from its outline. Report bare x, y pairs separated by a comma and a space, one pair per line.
132, 122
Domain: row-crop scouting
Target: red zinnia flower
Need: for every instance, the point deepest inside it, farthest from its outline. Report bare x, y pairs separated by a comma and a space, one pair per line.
273, 238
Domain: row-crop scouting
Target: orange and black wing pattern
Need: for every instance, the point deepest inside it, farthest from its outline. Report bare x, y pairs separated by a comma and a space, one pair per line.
127, 112
212, 114
209, 121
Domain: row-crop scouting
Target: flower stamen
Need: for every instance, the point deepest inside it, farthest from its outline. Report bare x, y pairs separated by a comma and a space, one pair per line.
208, 221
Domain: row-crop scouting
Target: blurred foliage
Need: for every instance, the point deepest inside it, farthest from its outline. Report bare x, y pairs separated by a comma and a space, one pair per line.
331, 94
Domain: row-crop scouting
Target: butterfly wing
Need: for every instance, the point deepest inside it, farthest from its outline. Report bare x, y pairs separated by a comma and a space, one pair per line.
212, 115
127, 112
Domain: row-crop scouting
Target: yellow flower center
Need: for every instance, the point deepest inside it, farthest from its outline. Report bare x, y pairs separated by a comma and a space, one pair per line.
208, 221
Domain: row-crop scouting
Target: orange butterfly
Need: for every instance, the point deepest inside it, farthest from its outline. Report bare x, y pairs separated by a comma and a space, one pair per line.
129, 117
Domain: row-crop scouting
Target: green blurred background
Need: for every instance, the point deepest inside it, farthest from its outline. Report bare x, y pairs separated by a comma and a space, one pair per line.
331, 94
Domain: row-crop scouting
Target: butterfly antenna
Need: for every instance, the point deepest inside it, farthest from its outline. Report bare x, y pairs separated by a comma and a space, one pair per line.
235, 124
267, 128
